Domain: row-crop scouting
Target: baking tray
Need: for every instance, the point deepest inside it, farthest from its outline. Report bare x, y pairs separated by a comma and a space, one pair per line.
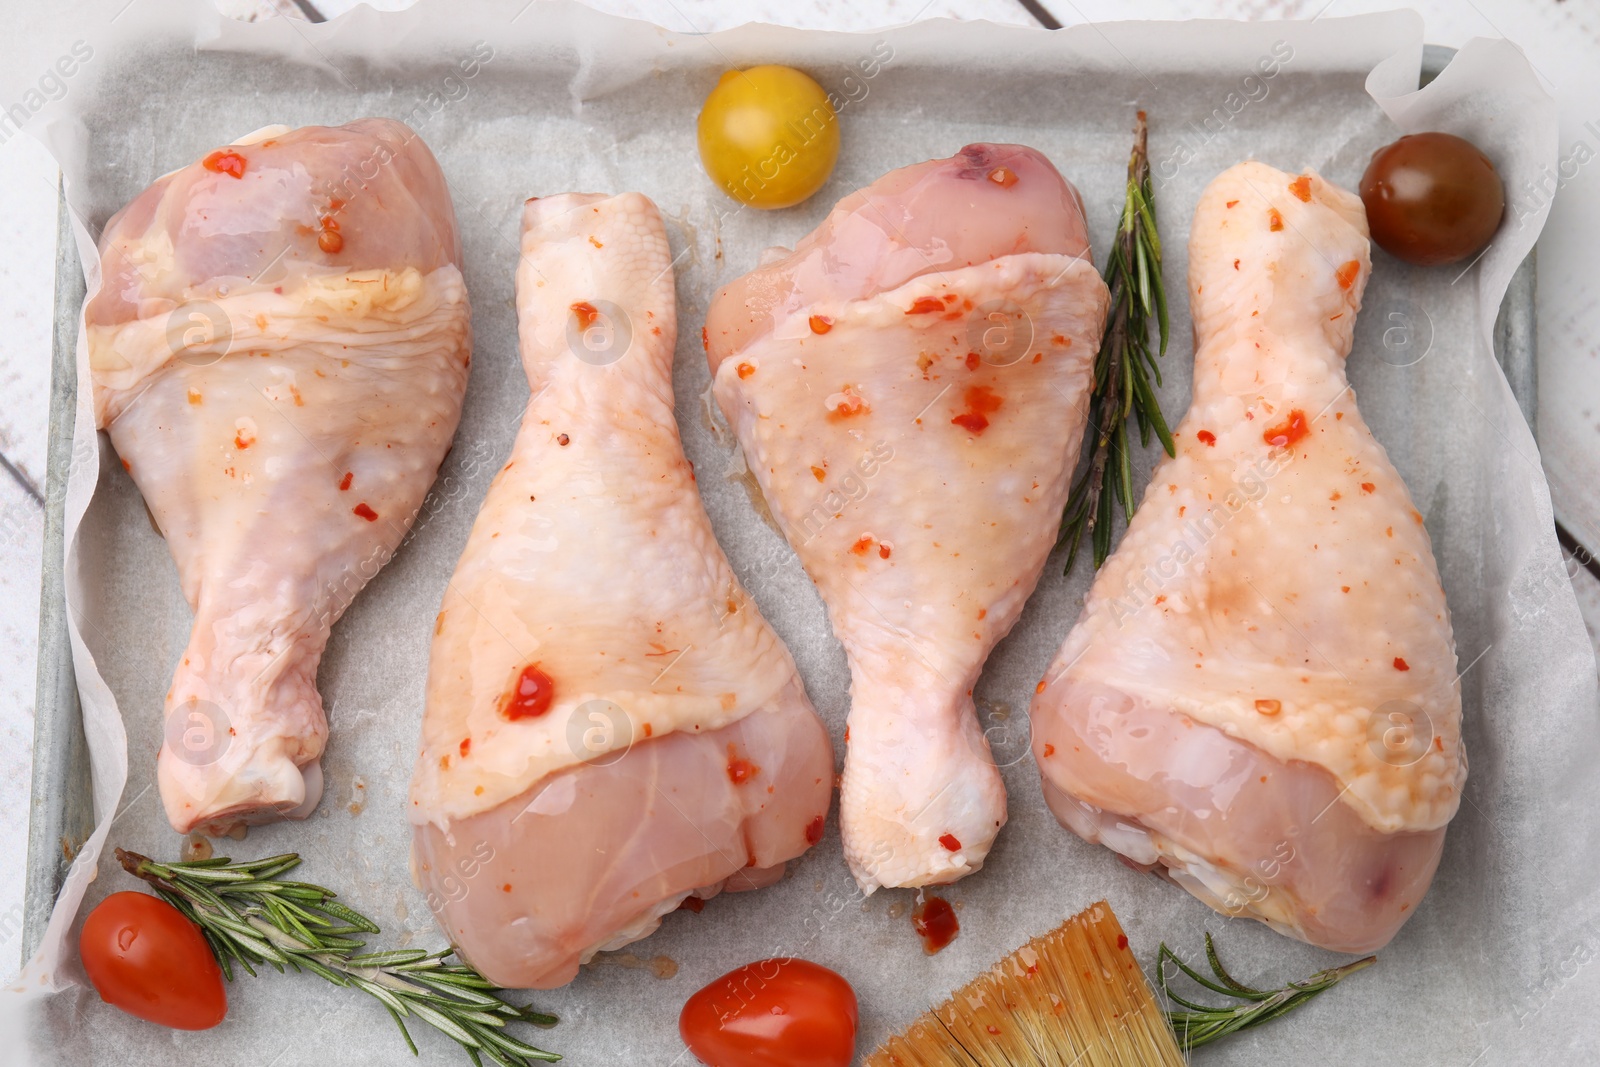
61, 810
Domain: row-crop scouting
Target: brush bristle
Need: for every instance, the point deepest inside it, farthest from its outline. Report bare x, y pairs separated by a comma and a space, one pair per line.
1074, 996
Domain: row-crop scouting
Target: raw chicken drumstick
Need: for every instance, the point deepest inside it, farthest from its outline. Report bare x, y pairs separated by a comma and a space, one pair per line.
279, 346
909, 388
1260, 698
611, 725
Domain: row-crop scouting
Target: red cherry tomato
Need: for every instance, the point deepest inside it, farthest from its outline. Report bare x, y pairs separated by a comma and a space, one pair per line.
146, 958
773, 1013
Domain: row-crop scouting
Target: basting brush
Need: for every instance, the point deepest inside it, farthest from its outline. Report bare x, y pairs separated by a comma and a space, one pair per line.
1075, 997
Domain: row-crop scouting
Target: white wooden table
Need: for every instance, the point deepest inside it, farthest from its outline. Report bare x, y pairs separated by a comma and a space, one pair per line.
1561, 37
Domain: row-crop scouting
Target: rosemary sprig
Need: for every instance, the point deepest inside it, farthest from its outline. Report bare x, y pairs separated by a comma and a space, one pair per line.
1124, 366
251, 916
1201, 1025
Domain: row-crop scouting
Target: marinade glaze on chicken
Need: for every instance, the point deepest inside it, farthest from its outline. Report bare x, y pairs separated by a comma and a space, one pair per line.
1260, 699
909, 387
611, 725
279, 347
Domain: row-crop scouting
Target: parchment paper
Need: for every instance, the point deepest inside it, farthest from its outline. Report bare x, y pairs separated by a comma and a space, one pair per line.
1494, 968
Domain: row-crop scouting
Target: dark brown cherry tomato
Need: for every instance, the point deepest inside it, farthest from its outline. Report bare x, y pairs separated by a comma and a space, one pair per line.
144, 957
773, 1013
1432, 198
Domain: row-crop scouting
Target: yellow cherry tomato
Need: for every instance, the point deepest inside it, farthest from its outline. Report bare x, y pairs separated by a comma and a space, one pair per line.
768, 136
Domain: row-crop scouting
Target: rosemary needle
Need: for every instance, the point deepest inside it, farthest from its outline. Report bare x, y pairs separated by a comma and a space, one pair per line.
1124, 367
251, 916
1200, 1024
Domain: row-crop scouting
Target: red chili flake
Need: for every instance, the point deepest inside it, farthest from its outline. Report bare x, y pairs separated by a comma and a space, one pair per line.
344, 483
1004, 177
1207, 438
846, 404
1401, 665
1122, 940
1286, 433
1301, 188
563, 440
814, 830
705, 339
530, 697
745, 370
863, 545
466, 746
225, 161
694, 904
883, 551
821, 324
926, 304
1049, 750
981, 403
972, 360
1346, 274
506, 888
1233, 203
740, 770
587, 314
241, 441
982, 398
1274, 220
365, 512
950, 842
1236, 264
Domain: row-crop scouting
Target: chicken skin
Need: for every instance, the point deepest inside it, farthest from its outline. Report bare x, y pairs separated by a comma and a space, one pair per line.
1260, 698
279, 347
909, 388
611, 725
